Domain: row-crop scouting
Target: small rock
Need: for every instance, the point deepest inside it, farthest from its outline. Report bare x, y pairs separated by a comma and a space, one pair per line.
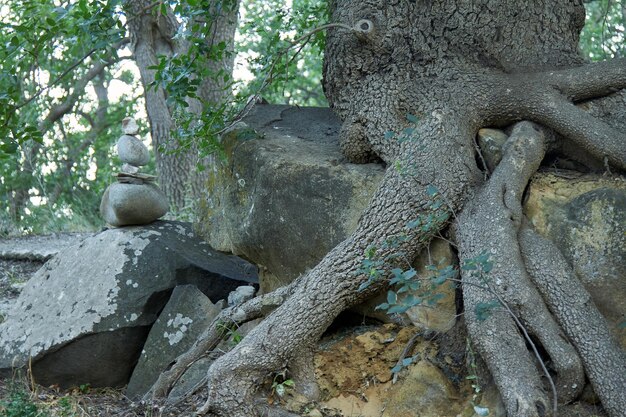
241, 295
132, 204
130, 126
491, 142
130, 169
132, 151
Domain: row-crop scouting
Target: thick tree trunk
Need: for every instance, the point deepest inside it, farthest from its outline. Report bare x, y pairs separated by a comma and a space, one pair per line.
434, 73
153, 35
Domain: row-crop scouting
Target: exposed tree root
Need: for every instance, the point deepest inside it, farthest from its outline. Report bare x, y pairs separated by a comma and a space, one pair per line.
489, 225
604, 360
285, 338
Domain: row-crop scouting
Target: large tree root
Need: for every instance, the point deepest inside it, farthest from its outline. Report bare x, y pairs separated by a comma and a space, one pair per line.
284, 340
491, 225
604, 360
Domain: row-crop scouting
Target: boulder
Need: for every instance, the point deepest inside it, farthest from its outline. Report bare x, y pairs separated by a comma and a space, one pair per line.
585, 216
84, 316
132, 151
286, 196
132, 204
187, 314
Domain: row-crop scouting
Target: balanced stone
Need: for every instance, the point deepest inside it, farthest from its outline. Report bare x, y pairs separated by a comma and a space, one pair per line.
130, 126
132, 204
132, 151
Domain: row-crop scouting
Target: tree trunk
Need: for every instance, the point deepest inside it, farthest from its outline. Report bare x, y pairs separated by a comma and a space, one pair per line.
434, 72
152, 35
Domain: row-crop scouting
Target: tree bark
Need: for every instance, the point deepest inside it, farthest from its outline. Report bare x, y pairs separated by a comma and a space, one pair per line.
433, 73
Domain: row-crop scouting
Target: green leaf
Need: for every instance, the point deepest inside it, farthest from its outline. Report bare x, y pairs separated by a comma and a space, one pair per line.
483, 310
398, 309
412, 118
431, 190
392, 297
409, 274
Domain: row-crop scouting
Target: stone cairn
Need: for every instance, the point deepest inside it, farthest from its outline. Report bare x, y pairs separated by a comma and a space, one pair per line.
134, 199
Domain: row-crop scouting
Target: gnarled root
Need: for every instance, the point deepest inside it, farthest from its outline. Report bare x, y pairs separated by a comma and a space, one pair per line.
604, 360
489, 225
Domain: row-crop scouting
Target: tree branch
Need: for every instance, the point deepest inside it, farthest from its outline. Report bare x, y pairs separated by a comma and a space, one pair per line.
588, 81
67, 71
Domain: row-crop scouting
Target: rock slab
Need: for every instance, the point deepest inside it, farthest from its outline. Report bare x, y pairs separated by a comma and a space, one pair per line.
104, 292
187, 314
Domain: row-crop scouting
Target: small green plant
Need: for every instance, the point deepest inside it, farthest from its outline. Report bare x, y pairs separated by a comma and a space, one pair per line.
479, 267
65, 407
19, 404
230, 333
281, 385
473, 377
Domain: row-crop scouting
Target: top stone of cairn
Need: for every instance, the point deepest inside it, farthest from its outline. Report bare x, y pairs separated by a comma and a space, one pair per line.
130, 126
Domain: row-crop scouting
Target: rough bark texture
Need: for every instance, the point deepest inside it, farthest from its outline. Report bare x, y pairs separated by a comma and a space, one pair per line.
152, 35
489, 224
442, 69
604, 360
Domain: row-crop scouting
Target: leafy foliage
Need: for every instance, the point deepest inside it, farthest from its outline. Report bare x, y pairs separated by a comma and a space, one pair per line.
603, 36
57, 132
57, 124
268, 29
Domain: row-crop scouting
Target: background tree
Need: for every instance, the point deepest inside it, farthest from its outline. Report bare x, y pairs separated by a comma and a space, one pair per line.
603, 36
185, 57
57, 122
433, 73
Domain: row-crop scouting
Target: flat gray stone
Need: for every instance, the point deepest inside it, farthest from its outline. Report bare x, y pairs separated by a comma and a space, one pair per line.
105, 291
187, 314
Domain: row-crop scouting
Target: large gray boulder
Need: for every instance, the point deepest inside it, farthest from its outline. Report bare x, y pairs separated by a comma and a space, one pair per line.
287, 196
84, 316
